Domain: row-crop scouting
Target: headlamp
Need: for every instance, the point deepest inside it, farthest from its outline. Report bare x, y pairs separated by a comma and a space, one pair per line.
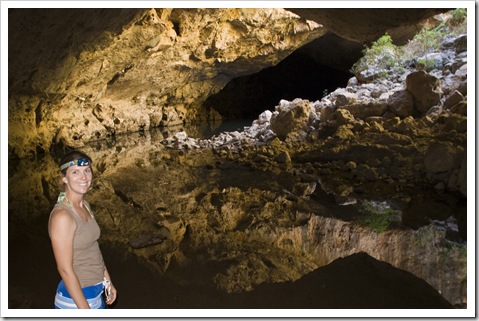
79, 162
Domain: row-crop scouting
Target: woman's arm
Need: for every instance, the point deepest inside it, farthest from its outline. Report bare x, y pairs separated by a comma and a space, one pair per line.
62, 229
111, 297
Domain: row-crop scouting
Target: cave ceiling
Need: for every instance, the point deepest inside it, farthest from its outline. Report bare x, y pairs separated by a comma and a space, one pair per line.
368, 24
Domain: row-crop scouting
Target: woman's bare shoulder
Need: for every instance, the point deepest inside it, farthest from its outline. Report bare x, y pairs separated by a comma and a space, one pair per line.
60, 215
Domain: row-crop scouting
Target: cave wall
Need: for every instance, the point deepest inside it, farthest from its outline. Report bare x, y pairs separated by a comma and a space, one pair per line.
77, 75
93, 73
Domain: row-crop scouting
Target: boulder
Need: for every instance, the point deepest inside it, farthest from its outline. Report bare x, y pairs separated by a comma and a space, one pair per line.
460, 108
326, 113
453, 99
290, 117
344, 97
340, 117
401, 103
425, 90
367, 108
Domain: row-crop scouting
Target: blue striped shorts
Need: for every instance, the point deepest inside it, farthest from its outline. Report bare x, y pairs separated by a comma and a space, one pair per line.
93, 295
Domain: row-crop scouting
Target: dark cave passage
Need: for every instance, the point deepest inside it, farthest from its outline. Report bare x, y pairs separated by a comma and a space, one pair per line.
311, 72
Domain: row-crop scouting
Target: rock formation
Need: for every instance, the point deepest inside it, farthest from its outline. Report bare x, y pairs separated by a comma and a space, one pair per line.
80, 75
368, 24
80, 78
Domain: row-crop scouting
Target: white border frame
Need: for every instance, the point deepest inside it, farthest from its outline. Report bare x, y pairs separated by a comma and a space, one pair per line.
239, 313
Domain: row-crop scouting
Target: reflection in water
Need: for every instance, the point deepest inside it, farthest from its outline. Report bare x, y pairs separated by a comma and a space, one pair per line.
226, 226
206, 131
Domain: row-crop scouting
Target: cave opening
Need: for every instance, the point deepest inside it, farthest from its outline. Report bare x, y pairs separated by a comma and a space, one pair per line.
311, 72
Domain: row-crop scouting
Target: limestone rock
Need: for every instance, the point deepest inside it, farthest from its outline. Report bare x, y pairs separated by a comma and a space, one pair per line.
460, 108
343, 97
341, 117
367, 109
174, 227
145, 241
363, 25
284, 157
439, 158
326, 113
401, 103
453, 99
425, 89
289, 117
144, 67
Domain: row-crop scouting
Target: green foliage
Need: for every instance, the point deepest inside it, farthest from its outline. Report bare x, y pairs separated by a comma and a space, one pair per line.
463, 251
383, 58
378, 216
459, 16
425, 63
383, 41
375, 53
449, 249
428, 40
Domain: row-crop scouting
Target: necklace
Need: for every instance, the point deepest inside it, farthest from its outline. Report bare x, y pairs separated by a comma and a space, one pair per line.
63, 196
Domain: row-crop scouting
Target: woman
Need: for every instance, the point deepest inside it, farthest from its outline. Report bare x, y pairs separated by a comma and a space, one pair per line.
74, 234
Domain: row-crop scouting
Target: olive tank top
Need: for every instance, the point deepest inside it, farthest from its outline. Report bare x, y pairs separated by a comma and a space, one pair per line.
88, 262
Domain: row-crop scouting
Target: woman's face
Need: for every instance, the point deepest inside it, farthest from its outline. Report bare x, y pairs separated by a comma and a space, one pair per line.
78, 179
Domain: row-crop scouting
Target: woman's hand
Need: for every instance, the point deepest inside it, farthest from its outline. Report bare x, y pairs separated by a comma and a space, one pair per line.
111, 297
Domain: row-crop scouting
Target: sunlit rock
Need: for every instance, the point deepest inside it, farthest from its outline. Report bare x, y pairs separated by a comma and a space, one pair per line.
343, 97
290, 117
341, 117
